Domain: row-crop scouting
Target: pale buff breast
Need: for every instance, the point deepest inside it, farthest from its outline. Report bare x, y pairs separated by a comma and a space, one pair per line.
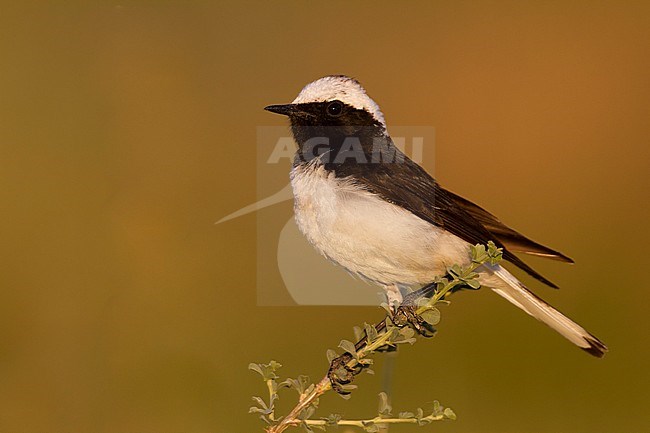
369, 237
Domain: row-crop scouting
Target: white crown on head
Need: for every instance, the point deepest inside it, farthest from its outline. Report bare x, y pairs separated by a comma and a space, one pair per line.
345, 89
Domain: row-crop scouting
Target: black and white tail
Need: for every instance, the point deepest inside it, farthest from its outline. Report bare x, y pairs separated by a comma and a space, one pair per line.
515, 292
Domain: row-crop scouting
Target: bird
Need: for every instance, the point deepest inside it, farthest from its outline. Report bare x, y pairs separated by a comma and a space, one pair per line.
370, 209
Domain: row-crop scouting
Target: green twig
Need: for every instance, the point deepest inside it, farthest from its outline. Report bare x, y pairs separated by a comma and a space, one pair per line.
384, 335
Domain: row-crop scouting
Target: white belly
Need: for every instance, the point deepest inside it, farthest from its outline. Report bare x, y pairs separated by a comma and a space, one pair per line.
370, 237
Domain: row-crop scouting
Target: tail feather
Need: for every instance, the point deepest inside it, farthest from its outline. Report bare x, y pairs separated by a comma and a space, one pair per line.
515, 292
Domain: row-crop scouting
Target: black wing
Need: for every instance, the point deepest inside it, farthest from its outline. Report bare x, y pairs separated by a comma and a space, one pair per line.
409, 186
512, 239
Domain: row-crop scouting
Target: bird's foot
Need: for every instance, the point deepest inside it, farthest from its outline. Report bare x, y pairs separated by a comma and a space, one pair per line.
406, 313
341, 374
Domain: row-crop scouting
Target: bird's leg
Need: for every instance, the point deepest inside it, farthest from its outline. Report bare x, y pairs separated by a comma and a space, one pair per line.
423, 292
393, 296
406, 313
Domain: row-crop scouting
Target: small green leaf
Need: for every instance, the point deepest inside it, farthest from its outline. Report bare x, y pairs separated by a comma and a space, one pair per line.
371, 332
256, 368
495, 254
332, 419
285, 384
385, 408
358, 333
468, 274
301, 384
272, 399
307, 413
371, 428
267, 371
348, 346
454, 270
477, 250
422, 302
431, 316
406, 332
449, 413
331, 355
260, 402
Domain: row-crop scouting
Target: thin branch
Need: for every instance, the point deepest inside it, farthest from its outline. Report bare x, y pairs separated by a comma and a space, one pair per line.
385, 334
293, 418
377, 421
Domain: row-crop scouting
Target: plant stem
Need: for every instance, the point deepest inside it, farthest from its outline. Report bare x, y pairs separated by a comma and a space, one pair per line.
385, 330
364, 350
377, 420
269, 384
293, 418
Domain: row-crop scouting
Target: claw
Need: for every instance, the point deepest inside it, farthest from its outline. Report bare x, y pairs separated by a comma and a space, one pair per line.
340, 374
406, 315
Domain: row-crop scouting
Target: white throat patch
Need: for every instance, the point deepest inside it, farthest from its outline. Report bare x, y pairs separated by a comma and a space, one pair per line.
345, 89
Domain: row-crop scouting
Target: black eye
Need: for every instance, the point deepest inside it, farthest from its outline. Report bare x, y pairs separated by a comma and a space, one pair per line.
335, 109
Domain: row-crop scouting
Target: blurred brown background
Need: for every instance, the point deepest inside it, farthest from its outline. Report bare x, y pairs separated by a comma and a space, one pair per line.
128, 129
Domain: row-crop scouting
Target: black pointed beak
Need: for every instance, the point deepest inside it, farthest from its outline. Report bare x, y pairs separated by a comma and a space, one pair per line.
285, 109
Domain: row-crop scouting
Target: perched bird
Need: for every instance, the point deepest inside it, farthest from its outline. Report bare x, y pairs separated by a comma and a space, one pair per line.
367, 207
